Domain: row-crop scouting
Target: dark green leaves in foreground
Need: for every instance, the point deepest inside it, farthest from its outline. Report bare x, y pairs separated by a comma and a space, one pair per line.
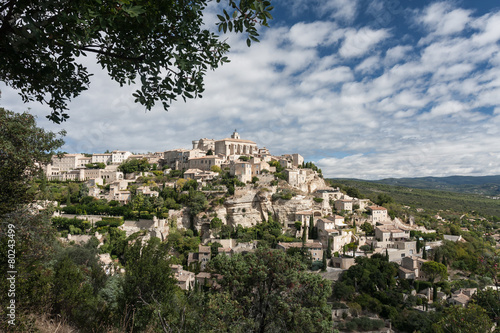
162, 45
24, 148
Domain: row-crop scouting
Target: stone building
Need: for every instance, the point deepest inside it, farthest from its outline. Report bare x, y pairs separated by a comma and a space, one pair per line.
66, 162
379, 213
204, 163
242, 170
344, 205
119, 156
235, 146
178, 159
204, 144
315, 248
101, 158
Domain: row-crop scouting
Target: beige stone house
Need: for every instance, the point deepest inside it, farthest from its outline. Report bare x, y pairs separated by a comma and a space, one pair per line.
344, 205
202, 256
389, 233
205, 163
101, 158
178, 159
146, 191
185, 279
242, 170
315, 248
235, 146
119, 156
462, 296
379, 213
410, 267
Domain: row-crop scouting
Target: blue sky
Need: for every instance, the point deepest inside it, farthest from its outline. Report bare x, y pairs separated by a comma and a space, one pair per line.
365, 89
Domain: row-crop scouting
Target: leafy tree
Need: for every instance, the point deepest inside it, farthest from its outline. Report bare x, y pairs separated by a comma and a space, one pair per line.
216, 168
35, 240
457, 319
190, 184
371, 274
383, 198
489, 299
78, 278
216, 225
148, 287
353, 192
134, 165
368, 228
163, 43
274, 293
434, 270
197, 202
98, 165
24, 149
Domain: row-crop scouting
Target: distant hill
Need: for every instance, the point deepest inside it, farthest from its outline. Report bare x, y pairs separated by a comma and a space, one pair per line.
484, 185
432, 193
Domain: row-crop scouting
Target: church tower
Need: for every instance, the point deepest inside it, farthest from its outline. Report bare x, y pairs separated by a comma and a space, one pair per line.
235, 135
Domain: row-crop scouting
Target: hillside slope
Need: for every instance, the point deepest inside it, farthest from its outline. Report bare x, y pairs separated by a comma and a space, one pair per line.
484, 185
428, 199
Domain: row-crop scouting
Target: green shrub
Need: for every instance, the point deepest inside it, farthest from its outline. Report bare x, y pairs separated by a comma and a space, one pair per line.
109, 222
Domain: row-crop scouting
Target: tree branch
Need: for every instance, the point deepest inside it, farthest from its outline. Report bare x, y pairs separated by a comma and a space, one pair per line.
110, 54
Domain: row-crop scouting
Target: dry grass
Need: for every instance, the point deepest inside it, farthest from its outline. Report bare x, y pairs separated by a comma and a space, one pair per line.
44, 324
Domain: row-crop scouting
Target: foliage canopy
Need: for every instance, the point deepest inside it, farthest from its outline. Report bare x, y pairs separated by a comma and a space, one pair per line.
24, 149
162, 43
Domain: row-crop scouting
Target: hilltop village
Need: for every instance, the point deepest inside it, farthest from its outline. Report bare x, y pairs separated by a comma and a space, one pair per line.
276, 187
227, 197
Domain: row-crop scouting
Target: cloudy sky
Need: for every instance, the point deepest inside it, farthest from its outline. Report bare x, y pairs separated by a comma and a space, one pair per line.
366, 89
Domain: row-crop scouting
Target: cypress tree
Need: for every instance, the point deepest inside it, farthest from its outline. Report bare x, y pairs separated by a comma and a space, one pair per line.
311, 226
329, 248
304, 235
436, 257
324, 262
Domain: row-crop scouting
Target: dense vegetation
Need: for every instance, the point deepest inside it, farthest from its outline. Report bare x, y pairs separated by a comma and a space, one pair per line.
485, 185
429, 200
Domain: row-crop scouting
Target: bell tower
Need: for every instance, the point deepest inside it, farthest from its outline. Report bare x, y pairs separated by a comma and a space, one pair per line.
235, 135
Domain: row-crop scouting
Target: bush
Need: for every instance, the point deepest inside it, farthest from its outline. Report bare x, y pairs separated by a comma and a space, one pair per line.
66, 223
367, 324
285, 194
109, 222
351, 326
318, 199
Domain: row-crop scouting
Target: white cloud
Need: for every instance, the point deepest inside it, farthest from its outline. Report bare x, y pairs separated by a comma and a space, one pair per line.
369, 65
341, 9
311, 34
489, 29
358, 42
396, 54
441, 18
444, 109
